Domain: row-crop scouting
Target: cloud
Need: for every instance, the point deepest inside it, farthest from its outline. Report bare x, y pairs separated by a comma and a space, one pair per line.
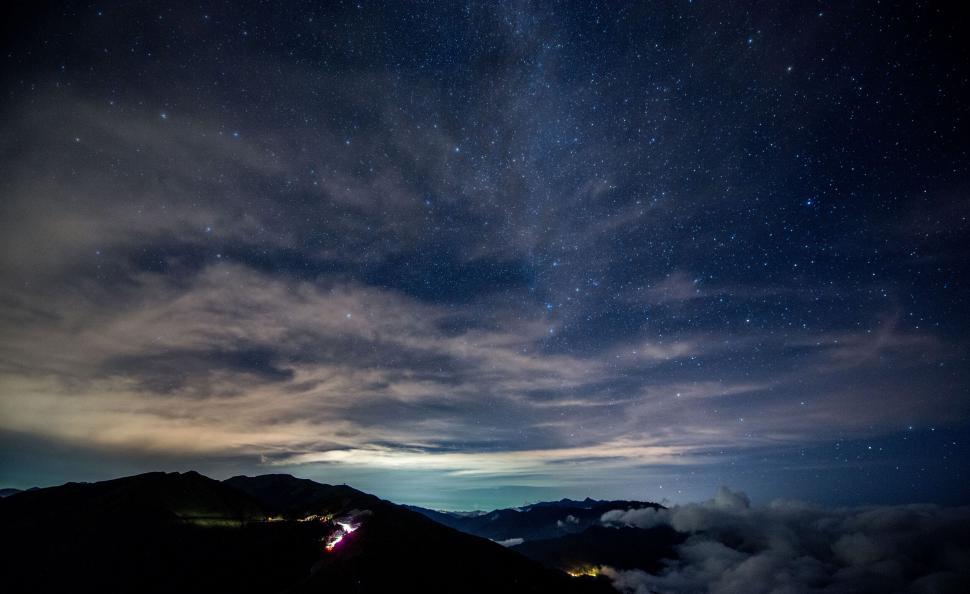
647, 517
344, 275
676, 287
511, 542
234, 361
791, 547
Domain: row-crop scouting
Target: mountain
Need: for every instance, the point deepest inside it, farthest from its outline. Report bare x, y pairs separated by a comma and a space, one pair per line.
588, 502
183, 532
153, 497
153, 532
391, 546
539, 520
620, 548
291, 497
568, 534
8, 492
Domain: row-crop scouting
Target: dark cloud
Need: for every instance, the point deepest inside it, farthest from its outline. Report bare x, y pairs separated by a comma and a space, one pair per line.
188, 371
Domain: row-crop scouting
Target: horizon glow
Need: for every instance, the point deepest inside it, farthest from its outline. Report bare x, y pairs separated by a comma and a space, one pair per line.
475, 256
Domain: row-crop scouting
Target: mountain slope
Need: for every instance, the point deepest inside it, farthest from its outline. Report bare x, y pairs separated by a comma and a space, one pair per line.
154, 532
187, 533
286, 495
620, 548
154, 496
392, 546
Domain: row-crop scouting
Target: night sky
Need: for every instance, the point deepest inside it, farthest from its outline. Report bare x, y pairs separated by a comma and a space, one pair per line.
468, 255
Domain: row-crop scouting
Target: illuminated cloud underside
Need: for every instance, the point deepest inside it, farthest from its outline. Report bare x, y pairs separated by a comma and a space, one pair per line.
508, 262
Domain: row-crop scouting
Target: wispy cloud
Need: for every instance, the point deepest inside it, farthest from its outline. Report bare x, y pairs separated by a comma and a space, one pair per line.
238, 362
371, 270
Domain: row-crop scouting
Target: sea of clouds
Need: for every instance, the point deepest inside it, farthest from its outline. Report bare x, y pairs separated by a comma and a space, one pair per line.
791, 547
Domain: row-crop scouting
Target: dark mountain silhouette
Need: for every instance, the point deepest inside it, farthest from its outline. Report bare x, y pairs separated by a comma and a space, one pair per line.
620, 548
393, 546
8, 492
154, 532
286, 495
155, 497
568, 534
539, 520
185, 532
588, 502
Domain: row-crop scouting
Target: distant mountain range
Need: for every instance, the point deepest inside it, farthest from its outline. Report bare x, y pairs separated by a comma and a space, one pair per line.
540, 520
568, 534
184, 532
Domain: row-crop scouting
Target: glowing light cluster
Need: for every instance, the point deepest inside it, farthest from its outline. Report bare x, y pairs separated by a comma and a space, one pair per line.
338, 535
333, 540
581, 571
347, 528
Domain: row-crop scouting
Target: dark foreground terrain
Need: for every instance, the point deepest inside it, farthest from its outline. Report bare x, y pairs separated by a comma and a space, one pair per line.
175, 532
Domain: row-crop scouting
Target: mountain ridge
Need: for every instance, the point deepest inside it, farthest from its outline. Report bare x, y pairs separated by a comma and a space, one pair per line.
541, 520
164, 532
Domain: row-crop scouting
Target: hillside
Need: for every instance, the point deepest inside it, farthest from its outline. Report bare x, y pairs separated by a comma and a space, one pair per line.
175, 532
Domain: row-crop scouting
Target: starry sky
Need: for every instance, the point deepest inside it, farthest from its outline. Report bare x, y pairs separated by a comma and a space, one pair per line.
469, 255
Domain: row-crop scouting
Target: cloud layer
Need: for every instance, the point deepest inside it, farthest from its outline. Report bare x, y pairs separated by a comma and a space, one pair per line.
466, 248
792, 547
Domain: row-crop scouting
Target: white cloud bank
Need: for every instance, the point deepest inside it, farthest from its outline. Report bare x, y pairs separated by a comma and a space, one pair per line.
791, 547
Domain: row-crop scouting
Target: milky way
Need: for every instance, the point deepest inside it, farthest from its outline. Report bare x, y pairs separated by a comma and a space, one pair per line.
469, 255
